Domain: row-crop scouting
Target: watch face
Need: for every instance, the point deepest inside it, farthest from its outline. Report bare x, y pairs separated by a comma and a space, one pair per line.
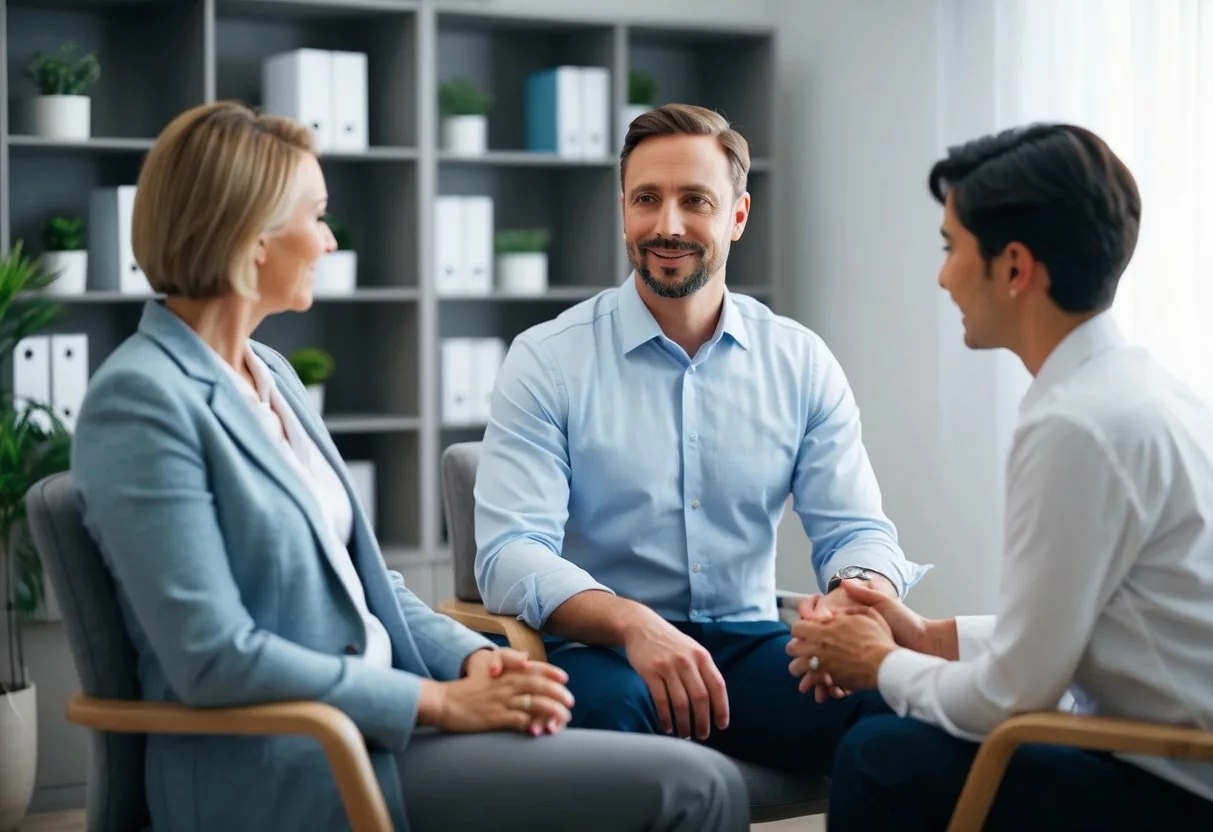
853, 572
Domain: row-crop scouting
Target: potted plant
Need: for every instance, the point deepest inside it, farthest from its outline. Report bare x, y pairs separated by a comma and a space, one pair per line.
65, 255
642, 97
337, 271
313, 366
464, 109
62, 108
33, 444
522, 260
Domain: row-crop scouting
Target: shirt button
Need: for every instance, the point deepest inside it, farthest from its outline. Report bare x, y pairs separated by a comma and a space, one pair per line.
695, 503
693, 436
694, 567
694, 613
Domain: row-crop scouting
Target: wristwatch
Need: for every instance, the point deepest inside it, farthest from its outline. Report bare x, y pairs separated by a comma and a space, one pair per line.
849, 572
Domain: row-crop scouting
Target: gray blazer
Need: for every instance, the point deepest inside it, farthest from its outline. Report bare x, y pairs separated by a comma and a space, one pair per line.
226, 589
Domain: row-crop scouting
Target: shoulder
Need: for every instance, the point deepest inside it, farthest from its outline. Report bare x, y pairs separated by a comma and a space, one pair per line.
138, 367
778, 331
576, 325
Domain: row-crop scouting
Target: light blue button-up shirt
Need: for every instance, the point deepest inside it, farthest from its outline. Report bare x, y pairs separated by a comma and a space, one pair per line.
614, 461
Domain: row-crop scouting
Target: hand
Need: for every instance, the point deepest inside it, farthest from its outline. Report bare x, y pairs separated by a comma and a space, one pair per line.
823, 607
499, 692
908, 627
681, 676
849, 647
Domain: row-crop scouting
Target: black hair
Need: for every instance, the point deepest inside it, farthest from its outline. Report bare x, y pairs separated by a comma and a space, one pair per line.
1056, 189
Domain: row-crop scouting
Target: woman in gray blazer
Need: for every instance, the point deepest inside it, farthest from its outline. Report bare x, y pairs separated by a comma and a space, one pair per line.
247, 571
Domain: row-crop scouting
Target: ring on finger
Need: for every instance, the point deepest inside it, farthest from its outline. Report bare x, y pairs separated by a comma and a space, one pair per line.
814, 663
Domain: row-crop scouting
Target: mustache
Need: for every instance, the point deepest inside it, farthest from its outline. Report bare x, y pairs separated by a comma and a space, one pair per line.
669, 245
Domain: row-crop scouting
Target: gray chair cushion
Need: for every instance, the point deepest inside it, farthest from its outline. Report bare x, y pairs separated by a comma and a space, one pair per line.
459, 463
103, 654
777, 794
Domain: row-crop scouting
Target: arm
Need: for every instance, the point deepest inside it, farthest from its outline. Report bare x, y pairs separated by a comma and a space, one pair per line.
834, 490
138, 468
1063, 562
445, 644
522, 493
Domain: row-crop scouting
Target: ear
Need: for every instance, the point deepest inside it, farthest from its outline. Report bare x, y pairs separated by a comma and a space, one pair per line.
1021, 269
741, 215
261, 251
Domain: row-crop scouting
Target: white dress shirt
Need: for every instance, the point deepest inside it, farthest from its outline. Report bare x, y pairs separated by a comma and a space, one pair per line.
1107, 575
291, 438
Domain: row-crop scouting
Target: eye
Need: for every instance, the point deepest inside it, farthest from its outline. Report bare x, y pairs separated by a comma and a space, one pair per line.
644, 198
697, 200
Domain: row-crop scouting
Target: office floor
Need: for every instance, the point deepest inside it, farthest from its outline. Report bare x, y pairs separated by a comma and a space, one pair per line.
74, 822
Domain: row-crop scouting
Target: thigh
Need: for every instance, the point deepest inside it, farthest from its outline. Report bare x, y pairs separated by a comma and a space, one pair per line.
770, 720
607, 693
577, 779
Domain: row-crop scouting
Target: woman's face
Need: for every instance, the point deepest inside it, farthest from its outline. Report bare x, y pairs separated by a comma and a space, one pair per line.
287, 260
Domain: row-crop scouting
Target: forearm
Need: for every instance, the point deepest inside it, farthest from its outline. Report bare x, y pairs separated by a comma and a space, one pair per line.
939, 638
600, 618
527, 579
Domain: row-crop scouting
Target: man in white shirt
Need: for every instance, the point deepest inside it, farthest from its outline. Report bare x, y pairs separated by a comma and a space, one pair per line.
1107, 584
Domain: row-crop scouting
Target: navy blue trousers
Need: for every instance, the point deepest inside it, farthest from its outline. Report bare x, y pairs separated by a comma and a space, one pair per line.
770, 721
894, 773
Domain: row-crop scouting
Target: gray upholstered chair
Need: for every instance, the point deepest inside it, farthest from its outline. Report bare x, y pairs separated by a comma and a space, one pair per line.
109, 702
774, 794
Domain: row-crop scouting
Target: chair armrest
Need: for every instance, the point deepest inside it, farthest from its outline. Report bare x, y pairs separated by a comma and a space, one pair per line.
342, 741
476, 617
1053, 728
786, 600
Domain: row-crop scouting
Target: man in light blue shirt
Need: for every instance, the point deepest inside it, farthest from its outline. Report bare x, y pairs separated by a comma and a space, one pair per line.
639, 455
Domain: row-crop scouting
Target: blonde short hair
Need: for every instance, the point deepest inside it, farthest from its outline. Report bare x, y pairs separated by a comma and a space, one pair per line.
219, 176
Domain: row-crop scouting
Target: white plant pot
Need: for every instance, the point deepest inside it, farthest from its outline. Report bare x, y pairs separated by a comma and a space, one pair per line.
18, 755
316, 391
523, 273
465, 135
62, 116
72, 267
337, 273
630, 112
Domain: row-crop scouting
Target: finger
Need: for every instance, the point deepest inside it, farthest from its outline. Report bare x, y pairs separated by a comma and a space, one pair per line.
544, 710
507, 660
718, 691
862, 593
808, 605
799, 666
680, 703
541, 686
549, 671
661, 701
797, 647
700, 703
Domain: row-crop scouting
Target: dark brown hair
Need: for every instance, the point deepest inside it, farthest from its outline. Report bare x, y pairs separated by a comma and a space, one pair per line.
690, 120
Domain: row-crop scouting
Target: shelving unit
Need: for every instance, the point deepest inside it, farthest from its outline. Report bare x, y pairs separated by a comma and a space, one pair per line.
160, 57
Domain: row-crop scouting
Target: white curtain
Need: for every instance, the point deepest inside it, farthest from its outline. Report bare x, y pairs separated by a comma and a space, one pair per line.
1140, 74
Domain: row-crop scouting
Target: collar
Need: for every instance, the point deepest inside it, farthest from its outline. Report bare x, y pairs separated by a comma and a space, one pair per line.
1084, 342
638, 326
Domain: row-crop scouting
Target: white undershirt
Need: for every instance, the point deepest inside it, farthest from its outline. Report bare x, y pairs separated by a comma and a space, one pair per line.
1107, 573
305, 459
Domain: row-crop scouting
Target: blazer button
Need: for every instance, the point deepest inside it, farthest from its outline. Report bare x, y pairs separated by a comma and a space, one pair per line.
352, 650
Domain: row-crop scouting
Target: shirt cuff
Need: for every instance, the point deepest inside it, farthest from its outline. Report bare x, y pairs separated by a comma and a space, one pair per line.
897, 674
550, 591
876, 557
973, 634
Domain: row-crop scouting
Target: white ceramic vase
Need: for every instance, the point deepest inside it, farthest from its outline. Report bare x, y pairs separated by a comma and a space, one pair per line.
337, 273
18, 755
465, 135
72, 267
316, 391
62, 116
523, 272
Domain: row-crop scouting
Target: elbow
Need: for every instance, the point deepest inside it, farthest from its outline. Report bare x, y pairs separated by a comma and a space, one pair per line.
211, 680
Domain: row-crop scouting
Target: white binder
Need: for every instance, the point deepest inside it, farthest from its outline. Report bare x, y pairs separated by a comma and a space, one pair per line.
32, 376
458, 381
477, 244
111, 259
449, 276
489, 354
298, 85
362, 477
69, 376
348, 95
595, 111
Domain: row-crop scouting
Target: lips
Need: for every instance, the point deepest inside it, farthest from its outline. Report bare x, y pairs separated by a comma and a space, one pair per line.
672, 256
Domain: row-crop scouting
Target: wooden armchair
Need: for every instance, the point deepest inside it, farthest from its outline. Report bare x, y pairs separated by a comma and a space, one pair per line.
110, 705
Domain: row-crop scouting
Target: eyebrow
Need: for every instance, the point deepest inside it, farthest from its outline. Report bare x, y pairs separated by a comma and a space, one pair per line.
945, 234
685, 189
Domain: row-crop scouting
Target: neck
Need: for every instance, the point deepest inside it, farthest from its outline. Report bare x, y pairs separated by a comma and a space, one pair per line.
225, 324
689, 322
1042, 335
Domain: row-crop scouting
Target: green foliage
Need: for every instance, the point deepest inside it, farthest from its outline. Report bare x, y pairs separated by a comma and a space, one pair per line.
521, 240
22, 316
642, 88
63, 234
341, 233
65, 72
461, 97
313, 365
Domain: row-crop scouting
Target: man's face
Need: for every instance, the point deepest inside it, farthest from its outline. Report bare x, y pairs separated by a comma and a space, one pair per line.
679, 213
972, 283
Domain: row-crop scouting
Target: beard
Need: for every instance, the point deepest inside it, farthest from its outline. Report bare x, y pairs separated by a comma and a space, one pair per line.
689, 285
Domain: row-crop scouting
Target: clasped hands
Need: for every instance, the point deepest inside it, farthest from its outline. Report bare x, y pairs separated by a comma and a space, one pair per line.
842, 638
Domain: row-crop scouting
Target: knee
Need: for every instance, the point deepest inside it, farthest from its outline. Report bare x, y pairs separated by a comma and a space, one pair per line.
868, 745
704, 789
621, 703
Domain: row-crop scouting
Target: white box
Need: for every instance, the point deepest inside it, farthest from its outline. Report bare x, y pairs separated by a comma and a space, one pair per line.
348, 96
111, 260
489, 355
32, 376
362, 477
298, 85
595, 111
69, 377
458, 381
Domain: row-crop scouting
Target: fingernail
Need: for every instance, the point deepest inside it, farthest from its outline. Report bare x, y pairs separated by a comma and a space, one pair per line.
552, 726
535, 730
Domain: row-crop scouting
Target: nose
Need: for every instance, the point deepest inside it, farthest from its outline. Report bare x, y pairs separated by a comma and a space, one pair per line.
330, 242
669, 221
